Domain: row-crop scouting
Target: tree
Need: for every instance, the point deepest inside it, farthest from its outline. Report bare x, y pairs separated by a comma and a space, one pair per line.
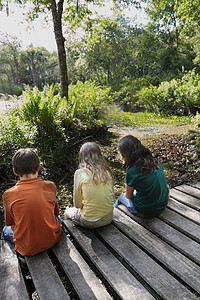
9, 58
57, 11
10, 65
178, 20
42, 65
188, 12
163, 12
33, 66
105, 55
189, 20
73, 12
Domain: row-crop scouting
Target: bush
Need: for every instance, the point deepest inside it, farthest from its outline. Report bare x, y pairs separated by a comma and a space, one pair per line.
176, 97
127, 95
53, 126
14, 134
85, 100
196, 121
11, 89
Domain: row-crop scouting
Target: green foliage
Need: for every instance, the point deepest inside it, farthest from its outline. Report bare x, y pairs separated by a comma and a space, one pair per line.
196, 120
188, 12
178, 96
115, 117
198, 145
10, 88
53, 126
85, 99
14, 134
127, 95
41, 108
33, 66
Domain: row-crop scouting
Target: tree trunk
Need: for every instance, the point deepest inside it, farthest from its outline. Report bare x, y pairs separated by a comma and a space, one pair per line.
34, 74
57, 10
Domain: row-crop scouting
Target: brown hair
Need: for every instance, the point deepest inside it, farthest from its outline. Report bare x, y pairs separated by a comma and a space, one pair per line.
134, 153
90, 157
25, 161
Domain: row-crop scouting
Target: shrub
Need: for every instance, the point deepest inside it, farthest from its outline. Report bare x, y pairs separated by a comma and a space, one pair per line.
127, 95
85, 100
176, 97
53, 126
10, 89
196, 120
14, 134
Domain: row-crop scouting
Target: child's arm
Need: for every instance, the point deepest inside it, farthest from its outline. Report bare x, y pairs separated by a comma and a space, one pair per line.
9, 217
129, 191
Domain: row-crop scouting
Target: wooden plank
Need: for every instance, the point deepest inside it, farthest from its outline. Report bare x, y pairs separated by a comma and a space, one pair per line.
158, 278
178, 240
181, 223
12, 282
84, 281
176, 262
186, 199
194, 184
115, 275
184, 210
46, 280
190, 190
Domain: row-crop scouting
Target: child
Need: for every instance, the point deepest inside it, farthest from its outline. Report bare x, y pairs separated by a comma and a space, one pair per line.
31, 207
93, 194
144, 174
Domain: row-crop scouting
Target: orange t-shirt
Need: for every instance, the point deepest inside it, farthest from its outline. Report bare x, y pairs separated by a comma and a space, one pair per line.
32, 207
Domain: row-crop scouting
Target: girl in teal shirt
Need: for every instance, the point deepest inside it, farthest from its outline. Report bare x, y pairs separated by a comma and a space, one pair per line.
147, 192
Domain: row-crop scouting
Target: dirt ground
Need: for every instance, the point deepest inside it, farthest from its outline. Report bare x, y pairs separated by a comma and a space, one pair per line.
173, 145
156, 130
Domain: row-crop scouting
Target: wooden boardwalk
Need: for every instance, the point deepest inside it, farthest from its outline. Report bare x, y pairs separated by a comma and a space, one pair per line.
133, 258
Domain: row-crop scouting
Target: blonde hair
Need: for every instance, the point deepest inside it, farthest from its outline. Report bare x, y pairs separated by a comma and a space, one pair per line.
90, 157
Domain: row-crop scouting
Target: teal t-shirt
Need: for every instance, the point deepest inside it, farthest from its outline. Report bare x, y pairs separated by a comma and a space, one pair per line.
151, 191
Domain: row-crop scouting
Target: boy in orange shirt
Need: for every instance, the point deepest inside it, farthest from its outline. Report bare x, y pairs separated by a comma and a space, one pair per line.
31, 208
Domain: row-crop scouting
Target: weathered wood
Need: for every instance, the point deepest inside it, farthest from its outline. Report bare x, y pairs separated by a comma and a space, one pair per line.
176, 262
11, 279
132, 259
195, 184
84, 281
121, 281
184, 210
157, 277
46, 280
178, 240
185, 198
190, 190
184, 225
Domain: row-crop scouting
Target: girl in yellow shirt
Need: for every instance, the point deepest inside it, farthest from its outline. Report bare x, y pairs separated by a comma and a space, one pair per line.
93, 194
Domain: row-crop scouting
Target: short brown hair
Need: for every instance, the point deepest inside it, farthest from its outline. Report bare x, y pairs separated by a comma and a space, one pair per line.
25, 161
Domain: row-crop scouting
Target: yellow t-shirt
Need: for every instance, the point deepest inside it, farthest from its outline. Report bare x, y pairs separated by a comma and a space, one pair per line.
94, 200
32, 207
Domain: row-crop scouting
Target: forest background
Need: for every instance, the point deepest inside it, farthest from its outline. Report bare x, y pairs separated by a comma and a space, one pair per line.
115, 73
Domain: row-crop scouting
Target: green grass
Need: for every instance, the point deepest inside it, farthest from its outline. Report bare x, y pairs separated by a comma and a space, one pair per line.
115, 117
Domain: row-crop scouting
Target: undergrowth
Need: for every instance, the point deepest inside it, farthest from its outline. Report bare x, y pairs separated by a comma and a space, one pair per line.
114, 116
